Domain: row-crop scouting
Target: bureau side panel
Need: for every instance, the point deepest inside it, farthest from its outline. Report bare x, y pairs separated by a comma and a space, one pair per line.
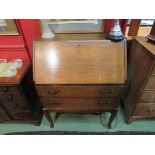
139, 66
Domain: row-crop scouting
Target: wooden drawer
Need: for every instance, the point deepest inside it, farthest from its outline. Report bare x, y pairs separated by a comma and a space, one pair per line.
148, 97
79, 91
8, 89
151, 83
16, 106
11, 93
147, 110
79, 103
11, 97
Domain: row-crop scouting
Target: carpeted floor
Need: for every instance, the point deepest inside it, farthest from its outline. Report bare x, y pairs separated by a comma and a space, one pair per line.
82, 133
83, 124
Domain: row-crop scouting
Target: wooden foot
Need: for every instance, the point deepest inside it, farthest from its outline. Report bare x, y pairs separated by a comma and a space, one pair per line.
37, 123
56, 116
128, 121
113, 115
49, 118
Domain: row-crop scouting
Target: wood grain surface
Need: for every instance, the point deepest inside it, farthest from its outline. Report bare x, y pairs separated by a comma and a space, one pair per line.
79, 62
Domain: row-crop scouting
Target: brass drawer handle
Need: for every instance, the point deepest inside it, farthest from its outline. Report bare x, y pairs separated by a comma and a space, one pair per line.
150, 110
53, 92
5, 89
56, 102
103, 102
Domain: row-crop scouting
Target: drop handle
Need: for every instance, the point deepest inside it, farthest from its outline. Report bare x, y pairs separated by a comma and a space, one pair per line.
53, 92
150, 110
103, 102
103, 91
57, 102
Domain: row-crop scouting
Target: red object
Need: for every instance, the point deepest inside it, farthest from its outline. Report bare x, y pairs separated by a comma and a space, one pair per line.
11, 42
30, 31
14, 54
110, 22
20, 46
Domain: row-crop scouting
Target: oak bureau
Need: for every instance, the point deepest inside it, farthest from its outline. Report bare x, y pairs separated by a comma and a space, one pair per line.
79, 73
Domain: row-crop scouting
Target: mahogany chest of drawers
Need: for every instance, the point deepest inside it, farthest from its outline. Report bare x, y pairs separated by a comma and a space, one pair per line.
79, 73
139, 99
18, 99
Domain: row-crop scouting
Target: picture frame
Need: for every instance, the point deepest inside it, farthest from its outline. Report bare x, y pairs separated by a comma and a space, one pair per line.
8, 27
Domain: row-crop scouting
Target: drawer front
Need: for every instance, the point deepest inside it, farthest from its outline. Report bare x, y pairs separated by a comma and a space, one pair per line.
150, 83
11, 97
147, 110
79, 91
8, 94
18, 110
148, 97
8, 89
79, 103
16, 106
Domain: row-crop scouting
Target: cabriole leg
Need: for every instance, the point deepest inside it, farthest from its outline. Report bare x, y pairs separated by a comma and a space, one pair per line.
49, 118
113, 115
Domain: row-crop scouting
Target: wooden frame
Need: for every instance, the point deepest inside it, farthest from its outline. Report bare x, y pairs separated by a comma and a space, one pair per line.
79, 31
152, 33
134, 27
10, 28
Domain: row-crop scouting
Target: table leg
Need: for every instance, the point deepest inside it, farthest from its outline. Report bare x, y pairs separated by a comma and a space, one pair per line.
113, 115
49, 118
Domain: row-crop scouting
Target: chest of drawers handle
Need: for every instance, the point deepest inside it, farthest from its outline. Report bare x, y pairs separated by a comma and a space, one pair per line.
10, 97
5, 89
52, 92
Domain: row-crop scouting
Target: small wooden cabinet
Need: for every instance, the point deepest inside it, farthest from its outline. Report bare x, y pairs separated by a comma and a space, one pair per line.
139, 99
79, 73
18, 98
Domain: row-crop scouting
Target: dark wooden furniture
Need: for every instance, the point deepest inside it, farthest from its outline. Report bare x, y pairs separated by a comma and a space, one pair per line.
151, 36
152, 33
81, 73
134, 27
139, 99
18, 98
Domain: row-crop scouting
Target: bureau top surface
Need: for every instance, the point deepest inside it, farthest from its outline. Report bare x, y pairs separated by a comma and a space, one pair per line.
148, 45
79, 62
19, 76
89, 36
